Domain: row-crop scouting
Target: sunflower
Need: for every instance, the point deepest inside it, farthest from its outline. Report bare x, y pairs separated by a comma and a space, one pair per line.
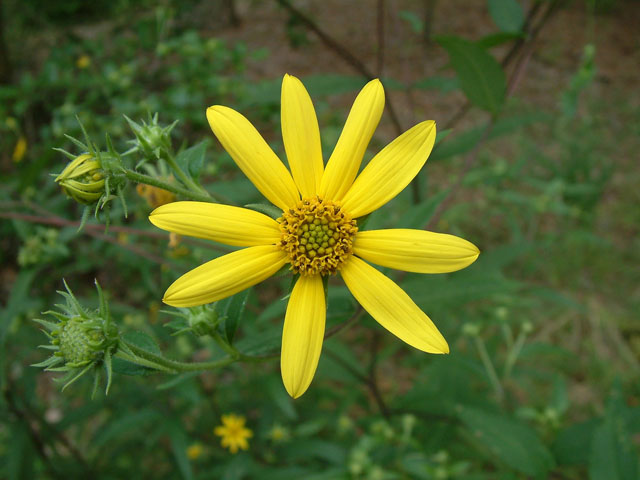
317, 233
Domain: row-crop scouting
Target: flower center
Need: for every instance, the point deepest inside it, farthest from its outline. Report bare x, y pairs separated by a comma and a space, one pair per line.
317, 234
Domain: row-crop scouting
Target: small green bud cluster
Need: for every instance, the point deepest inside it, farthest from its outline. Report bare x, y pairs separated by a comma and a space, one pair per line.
152, 140
201, 321
81, 340
44, 245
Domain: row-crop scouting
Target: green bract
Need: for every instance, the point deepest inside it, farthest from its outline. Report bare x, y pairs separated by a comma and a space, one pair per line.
81, 340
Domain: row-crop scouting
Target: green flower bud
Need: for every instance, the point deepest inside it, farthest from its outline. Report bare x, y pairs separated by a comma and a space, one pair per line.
81, 340
471, 329
200, 321
83, 179
152, 140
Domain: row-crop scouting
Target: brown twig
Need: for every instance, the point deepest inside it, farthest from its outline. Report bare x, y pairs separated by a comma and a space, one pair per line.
62, 222
527, 51
380, 42
49, 218
5, 63
342, 52
366, 381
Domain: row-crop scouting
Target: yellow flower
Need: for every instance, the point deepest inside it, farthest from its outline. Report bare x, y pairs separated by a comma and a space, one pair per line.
233, 432
83, 61
20, 149
194, 451
317, 233
278, 433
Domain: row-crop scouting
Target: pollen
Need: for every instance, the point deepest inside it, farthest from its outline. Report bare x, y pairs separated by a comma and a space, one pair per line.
318, 236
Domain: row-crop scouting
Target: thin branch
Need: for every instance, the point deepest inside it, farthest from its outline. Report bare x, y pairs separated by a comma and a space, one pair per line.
380, 41
57, 221
342, 51
366, 381
516, 75
372, 379
49, 218
344, 325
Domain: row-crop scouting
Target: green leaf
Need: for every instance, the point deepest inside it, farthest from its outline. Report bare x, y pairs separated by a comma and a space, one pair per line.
280, 398
179, 449
507, 15
481, 77
233, 311
511, 442
126, 424
191, 159
463, 142
267, 209
444, 84
613, 453
416, 24
304, 449
19, 301
495, 39
571, 446
417, 216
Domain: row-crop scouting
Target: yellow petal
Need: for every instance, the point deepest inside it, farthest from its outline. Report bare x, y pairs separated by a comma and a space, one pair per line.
391, 170
254, 157
391, 307
415, 250
222, 223
344, 163
301, 136
303, 334
225, 276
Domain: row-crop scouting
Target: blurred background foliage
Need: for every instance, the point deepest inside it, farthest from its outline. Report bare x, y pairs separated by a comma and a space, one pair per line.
536, 163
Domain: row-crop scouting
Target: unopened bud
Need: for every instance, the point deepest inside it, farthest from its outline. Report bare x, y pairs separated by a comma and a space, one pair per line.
83, 179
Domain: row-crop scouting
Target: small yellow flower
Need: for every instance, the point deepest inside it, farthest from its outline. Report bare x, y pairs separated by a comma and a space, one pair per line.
194, 451
318, 233
278, 433
233, 432
20, 149
83, 61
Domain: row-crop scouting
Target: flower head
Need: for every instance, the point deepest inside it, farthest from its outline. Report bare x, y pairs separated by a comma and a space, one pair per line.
83, 179
82, 340
194, 451
233, 432
317, 233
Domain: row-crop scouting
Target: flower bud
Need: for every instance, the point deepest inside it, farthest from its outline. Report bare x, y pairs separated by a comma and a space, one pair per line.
83, 179
81, 340
200, 321
152, 139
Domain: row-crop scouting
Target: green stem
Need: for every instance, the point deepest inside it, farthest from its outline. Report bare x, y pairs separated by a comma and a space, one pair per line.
513, 354
488, 365
190, 194
158, 362
183, 176
233, 352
